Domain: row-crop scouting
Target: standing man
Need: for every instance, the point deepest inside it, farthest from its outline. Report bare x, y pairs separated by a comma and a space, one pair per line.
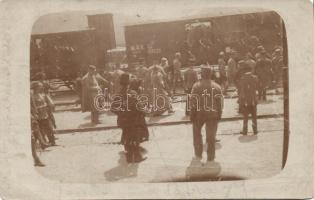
90, 89
190, 77
248, 59
177, 64
116, 79
223, 72
264, 74
206, 108
130, 119
232, 68
277, 64
159, 88
248, 86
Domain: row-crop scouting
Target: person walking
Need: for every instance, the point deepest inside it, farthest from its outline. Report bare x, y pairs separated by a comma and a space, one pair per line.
130, 120
206, 108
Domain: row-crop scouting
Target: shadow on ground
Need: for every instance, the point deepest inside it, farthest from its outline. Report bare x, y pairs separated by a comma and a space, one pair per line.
122, 171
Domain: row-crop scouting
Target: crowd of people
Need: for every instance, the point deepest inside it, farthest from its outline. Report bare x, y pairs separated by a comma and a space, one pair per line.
251, 75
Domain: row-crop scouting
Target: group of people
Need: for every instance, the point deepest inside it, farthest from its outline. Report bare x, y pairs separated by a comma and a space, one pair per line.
251, 76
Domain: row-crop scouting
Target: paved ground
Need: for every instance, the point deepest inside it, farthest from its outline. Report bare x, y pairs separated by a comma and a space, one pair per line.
94, 157
76, 119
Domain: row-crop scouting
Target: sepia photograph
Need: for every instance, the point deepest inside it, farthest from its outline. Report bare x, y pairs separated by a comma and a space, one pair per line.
156, 99
119, 98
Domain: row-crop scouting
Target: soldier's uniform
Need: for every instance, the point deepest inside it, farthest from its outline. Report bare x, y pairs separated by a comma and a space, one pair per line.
92, 85
176, 74
263, 71
248, 86
277, 64
205, 109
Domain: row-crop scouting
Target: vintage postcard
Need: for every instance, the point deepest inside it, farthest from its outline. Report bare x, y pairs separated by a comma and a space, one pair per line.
156, 99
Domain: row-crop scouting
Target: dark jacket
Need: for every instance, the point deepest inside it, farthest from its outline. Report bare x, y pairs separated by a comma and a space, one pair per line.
248, 85
263, 71
130, 118
206, 105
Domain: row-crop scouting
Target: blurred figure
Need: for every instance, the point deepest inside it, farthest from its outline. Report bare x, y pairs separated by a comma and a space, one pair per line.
259, 50
116, 79
36, 134
130, 119
206, 108
78, 87
223, 72
164, 64
264, 74
277, 64
248, 59
44, 107
190, 77
90, 89
248, 86
162, 104
177, 77
232, 67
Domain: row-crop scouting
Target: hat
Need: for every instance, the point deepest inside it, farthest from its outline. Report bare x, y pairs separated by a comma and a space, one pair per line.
91, 67
164, 59
36, 84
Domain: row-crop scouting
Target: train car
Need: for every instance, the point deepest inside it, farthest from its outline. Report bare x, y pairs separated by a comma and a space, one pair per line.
203, 38
65, 54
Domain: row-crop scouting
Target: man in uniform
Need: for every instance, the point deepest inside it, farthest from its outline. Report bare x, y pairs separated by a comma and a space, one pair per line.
130, 119
248, 86
206, 108
264, 74
232, 67
90, 89
116, 79
190, 77
177, 64
277, 63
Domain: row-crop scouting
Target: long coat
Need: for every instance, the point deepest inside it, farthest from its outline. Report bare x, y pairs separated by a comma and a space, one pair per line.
248, 85
129, 118
263, 71
91, 87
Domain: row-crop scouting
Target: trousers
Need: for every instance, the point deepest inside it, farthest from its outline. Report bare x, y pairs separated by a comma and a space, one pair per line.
211, 126
247, 110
